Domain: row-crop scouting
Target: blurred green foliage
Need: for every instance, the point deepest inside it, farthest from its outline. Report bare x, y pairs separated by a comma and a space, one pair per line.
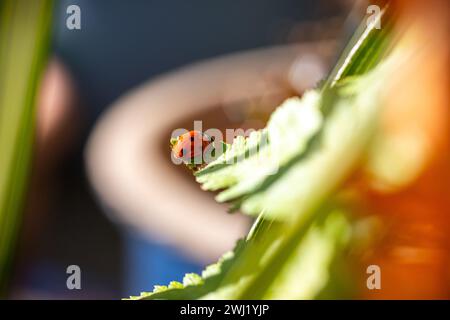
24, 37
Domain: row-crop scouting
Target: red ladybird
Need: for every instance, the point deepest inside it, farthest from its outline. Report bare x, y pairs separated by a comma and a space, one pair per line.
190, 146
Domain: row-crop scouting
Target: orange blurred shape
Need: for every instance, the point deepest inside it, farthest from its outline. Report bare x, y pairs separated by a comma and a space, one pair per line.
414, 253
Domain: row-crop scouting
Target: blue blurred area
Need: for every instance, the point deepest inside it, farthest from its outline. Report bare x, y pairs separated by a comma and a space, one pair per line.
149, 263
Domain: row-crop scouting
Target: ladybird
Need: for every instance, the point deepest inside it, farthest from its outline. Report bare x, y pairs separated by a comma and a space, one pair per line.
190, 148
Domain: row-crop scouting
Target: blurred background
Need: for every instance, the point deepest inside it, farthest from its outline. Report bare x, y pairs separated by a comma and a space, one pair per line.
102, 192
119, 46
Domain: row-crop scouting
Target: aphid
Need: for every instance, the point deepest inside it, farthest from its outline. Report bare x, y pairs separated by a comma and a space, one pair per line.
190, 148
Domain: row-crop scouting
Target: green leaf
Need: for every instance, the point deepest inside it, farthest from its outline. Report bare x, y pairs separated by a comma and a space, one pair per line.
305, 138
194, 286
307, 271
289, 173
304, 270
248, 162
294, 157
